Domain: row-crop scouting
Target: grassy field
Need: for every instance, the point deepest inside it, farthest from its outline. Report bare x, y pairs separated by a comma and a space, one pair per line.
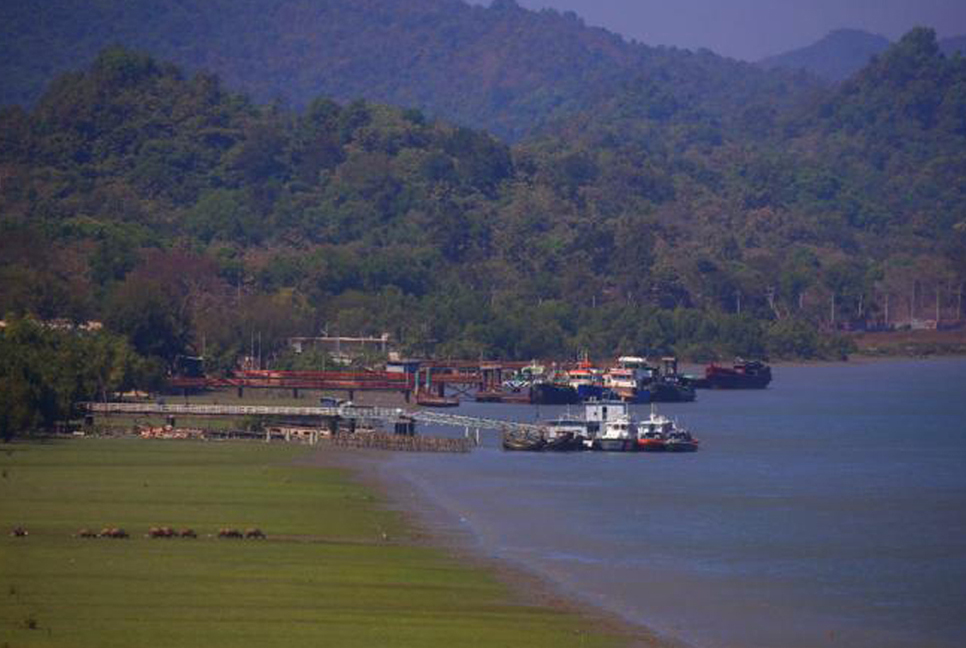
338, 569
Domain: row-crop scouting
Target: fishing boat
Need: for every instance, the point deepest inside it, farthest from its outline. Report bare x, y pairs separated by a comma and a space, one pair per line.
667, 385
587, 380
650, 440
658, 433
550, 392
669, 390
681, 441
627, 380
618, 434
523, 441
750, 374
565, 433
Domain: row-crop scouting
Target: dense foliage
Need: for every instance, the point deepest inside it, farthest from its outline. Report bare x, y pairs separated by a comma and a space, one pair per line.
44, 371
191, 220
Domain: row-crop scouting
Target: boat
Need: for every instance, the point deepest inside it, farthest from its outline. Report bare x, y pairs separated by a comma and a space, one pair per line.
681, 441
669, 390
627, 380
650, 440
587, 380
432, 400
503, 396
743, 374
565, 433
668, 386
658, 433
551, 392
523, 441
618, 434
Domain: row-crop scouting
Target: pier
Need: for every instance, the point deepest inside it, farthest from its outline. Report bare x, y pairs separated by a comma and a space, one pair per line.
402, 421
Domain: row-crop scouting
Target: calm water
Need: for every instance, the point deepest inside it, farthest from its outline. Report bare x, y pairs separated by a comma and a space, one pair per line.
829, 510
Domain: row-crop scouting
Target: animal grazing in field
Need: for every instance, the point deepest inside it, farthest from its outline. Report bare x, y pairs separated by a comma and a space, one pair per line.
112, 532
229, 533
19, 532
86, 533
188, 533
254, 533
161, 532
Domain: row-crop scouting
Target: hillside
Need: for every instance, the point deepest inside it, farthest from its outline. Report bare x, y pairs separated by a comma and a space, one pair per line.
500, 68
835, 57
188, 217
843, 52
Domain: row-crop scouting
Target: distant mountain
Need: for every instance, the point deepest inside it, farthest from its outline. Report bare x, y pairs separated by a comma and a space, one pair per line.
953, 44
501, 67
836, 57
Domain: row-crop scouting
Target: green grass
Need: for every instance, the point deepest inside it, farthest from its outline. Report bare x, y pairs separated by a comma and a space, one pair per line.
327, 576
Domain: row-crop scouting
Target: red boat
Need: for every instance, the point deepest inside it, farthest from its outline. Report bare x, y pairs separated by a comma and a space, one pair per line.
752, 374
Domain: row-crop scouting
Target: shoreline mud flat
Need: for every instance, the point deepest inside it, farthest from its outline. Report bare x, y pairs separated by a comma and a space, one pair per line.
434, 526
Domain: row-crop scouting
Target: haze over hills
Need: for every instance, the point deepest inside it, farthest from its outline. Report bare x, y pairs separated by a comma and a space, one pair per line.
501, 67
843, 52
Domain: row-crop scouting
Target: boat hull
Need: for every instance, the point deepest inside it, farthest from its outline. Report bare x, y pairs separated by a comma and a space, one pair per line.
681, 446
553, 394
662, 392
748, 375
615, 445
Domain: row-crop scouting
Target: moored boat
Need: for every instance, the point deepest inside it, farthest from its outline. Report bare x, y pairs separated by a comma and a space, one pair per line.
650, 440
681, 441
617, 435
658, 433
432, 400
523, 441
750, 374
565, 433
552, 393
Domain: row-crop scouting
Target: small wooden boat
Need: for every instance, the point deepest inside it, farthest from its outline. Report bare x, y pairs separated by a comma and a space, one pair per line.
523, 441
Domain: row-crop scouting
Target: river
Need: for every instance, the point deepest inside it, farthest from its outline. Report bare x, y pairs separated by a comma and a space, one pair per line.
829, 509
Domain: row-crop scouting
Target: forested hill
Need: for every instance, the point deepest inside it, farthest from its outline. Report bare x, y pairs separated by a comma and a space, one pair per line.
187, 217
843, 52
501, 68
835, 57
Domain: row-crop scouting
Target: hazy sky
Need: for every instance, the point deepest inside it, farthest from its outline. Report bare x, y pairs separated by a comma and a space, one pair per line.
752, 29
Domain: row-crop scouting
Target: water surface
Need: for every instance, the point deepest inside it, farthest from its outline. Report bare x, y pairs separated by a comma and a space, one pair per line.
829, 509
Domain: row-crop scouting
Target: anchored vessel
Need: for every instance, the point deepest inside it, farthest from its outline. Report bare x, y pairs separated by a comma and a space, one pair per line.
751, 374
658, 433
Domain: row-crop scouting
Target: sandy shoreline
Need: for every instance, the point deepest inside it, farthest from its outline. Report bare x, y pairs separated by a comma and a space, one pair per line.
434, 526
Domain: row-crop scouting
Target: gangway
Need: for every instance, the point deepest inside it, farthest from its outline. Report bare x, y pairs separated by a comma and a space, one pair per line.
474, 422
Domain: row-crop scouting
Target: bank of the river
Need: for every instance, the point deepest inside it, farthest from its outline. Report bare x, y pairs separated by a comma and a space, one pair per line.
338, 568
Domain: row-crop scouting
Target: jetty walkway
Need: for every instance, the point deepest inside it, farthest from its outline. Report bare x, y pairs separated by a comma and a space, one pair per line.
330, 416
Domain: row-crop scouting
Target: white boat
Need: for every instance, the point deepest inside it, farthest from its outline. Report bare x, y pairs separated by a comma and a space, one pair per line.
618, 435
658, 433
